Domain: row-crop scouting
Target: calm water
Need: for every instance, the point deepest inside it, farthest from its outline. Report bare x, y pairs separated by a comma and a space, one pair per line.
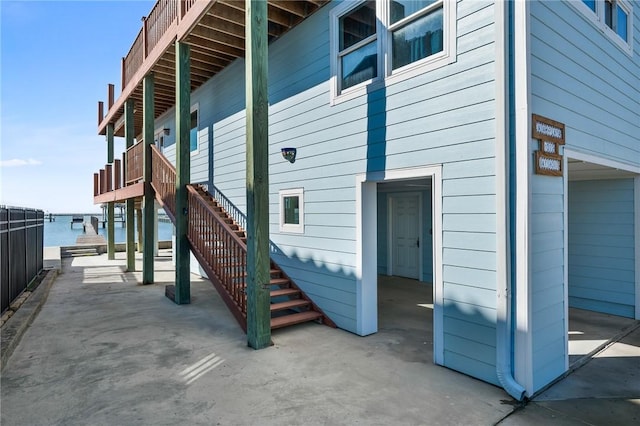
60, 233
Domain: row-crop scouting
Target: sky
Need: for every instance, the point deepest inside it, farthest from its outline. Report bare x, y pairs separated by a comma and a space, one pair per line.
56, 59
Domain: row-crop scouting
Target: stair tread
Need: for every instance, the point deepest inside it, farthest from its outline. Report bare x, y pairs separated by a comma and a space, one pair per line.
289, 304
278, 281
292, 319
284, 292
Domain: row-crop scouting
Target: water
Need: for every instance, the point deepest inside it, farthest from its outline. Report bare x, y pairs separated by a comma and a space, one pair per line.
60, 233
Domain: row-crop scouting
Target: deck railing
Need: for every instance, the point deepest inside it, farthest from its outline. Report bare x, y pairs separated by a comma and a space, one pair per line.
222, 250
163, 180
133, 60
134, 164
186, 5
161, 17
234, 212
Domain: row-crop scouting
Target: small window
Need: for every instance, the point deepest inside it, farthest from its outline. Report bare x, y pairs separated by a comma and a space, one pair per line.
193, 133
591, 4
622, 23
416, 30
358, 50
292, 210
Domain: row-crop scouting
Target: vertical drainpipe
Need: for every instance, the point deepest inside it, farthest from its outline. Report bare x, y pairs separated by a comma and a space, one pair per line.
505, 317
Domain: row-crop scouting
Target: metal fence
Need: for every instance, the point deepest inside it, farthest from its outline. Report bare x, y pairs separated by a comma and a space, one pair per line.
21, 250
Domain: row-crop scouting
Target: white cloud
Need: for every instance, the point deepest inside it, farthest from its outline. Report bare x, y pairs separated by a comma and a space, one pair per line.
16, 162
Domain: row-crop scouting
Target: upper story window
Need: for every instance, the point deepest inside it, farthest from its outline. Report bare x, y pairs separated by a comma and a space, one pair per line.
416, 30
613, 17
384, 41
358, 53
616, 18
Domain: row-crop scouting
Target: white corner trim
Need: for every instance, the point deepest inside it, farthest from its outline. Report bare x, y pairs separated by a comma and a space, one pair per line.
523, 367
636, 198
565, 252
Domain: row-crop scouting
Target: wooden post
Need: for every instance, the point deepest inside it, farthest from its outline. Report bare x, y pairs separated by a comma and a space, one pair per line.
100, 112
183, 172
148, 203
117, 174
103, 182
111, 95
109, 172
145, 43
111, 231
96, 183
123, 78
129, 131
258, 262
140, 235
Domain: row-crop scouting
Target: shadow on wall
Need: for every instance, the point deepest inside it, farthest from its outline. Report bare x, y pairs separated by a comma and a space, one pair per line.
377, 130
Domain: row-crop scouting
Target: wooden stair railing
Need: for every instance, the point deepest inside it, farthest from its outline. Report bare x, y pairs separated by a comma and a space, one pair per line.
163, 181
219, 244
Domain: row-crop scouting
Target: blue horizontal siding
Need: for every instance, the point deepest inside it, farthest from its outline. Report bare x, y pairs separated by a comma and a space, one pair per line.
602, 263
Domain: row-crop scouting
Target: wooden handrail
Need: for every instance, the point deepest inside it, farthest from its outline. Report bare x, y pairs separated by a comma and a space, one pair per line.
224, 253
163, 180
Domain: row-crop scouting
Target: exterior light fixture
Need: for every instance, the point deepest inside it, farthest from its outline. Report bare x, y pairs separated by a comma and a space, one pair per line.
289, 154
167, 131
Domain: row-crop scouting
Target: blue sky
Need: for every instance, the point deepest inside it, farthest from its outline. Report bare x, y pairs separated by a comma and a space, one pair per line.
56, 59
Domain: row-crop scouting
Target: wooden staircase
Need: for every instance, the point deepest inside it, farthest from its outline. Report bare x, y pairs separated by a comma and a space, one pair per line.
289, 304
219, 243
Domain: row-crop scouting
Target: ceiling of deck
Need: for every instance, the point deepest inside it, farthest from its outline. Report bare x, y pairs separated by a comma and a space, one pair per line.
216, 41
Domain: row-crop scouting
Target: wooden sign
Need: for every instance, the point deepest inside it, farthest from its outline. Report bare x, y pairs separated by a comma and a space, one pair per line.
545, 129
548, 164
550, 135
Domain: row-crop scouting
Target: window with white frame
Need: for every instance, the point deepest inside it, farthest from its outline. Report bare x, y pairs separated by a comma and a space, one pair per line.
613, 17
292, 210
387, 41
416, 29
193, 130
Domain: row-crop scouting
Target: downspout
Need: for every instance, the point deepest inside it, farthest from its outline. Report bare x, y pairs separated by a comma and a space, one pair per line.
505, 317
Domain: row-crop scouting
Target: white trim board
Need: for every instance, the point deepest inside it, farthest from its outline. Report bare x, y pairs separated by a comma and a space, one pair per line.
367, 256
523, 368
636, 205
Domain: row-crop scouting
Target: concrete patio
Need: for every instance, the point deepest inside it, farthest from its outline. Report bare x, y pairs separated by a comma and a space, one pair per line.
107, 350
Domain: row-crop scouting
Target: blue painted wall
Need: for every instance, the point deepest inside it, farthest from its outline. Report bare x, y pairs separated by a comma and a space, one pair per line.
443, 116
582, 78
602, 247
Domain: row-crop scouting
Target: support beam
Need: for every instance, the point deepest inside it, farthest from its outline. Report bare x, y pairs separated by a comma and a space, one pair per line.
258, 262
149, 199
129, 131
183, 172
111, 232
139, 226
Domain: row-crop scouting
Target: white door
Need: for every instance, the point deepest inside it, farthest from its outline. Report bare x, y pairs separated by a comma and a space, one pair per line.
406, 236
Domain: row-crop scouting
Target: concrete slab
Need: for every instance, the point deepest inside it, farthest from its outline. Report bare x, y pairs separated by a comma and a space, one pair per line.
606, 390
107, 350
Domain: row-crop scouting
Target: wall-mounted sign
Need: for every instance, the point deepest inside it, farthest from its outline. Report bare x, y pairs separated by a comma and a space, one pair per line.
548, 164
550, 135
545, 129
